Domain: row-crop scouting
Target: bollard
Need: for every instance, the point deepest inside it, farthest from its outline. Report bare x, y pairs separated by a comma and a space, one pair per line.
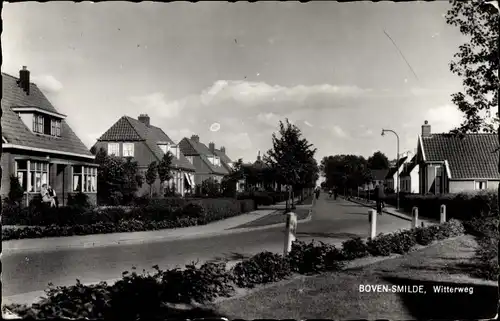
414, 222
443, 214
372, 218
291, 228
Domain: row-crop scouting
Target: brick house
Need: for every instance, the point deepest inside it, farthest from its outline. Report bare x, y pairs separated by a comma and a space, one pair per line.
205, 160
39, 147
451, 164
221, 153
145, 143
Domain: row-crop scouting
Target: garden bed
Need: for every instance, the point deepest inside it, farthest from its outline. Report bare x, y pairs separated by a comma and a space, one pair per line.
150, 296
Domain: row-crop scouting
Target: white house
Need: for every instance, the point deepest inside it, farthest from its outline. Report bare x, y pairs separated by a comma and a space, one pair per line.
410, 177
391, 180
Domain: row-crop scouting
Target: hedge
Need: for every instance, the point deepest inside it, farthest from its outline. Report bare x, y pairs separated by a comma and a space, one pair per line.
152, 295
462, 206
150, 217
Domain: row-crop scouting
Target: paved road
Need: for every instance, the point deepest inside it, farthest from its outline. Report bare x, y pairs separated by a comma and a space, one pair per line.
333, 221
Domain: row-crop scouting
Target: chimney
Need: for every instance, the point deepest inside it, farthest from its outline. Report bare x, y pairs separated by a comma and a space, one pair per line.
223, 149
426, 129
258, 156
195, 138
211, 146
24, 80
144, 118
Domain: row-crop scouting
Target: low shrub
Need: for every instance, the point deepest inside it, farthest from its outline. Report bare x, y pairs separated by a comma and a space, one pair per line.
201, 284
354, 248
312, 258
424, 236
487, 258
261, 268
403, 241
382, 245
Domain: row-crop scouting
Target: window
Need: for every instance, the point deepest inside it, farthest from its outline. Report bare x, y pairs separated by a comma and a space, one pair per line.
128, 149
55, 129
190, 159
84, 179
480, 185
217, 161
211, 158
438, 181
38, 175
38, 122
114, 149
22, 173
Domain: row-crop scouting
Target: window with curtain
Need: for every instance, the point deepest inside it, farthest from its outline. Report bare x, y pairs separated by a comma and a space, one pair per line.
114, 149
38, 175
84, 179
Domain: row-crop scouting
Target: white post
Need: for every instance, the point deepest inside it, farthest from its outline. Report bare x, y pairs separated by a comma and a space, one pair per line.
443, 214
372, 218
414, 222
291, 227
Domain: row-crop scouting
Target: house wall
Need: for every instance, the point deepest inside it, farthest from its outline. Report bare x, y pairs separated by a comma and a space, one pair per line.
142, 154
61, 183
457, 186
414, 180
203, 172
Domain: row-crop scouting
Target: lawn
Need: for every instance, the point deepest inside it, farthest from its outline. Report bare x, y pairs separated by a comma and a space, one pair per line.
275, 218
337, 296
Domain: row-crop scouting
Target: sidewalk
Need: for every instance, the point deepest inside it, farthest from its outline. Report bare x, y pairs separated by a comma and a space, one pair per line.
391, 210
96, 240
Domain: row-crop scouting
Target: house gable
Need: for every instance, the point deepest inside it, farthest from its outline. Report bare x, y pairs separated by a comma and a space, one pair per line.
20, 135
197, 149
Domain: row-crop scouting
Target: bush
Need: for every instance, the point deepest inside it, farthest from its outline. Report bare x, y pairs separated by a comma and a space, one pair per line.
424, 236
381, 245
193, 210
354, 248
311, 258
261, 268
201, 284
79, 200
403, 241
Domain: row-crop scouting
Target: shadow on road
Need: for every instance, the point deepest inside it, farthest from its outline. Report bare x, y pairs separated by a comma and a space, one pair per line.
327, 235
357, 213
233, 256
481, 304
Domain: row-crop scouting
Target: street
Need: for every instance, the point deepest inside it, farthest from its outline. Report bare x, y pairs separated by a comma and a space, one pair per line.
332, 221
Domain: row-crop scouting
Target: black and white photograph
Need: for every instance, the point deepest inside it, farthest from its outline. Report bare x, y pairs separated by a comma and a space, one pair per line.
250, 160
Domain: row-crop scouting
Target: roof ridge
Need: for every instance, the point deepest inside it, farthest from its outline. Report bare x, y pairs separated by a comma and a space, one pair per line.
133, 127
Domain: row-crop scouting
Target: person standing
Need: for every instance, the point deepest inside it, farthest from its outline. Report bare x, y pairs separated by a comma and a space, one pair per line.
379, 197
317, 191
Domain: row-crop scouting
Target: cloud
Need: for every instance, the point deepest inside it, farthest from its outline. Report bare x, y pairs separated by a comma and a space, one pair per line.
338, 131
444, 118
47, 83
308, 123
156, 102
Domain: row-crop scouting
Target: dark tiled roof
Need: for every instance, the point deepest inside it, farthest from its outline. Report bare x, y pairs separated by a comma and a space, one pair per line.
223, 156
379, 174
192, 148
394, 169
409, 167
130, 129
473, 156
16, 132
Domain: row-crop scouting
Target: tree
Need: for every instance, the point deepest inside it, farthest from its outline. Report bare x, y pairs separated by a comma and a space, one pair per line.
165, 170
230, 181
109, 178
132, 180
345, 171
378, 161
291, 157
151, 176
477, 63
210, 187
16, 192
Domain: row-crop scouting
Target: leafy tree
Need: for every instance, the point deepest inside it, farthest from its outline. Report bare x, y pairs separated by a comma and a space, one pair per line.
345, 171
132, 180
210, 187
151, 176
165, 170
291, 157
477, 63
16, 192
378, 161
110, 178
230, 181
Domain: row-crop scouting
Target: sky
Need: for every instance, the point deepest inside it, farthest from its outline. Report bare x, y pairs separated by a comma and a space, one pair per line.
328, 67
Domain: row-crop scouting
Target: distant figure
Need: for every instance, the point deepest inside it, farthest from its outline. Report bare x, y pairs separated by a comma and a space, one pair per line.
330, 193
53, 194
46, 198
379, 197
317, 191
335, 192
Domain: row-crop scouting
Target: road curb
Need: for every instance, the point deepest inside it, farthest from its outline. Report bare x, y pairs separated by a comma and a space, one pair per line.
399, 215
